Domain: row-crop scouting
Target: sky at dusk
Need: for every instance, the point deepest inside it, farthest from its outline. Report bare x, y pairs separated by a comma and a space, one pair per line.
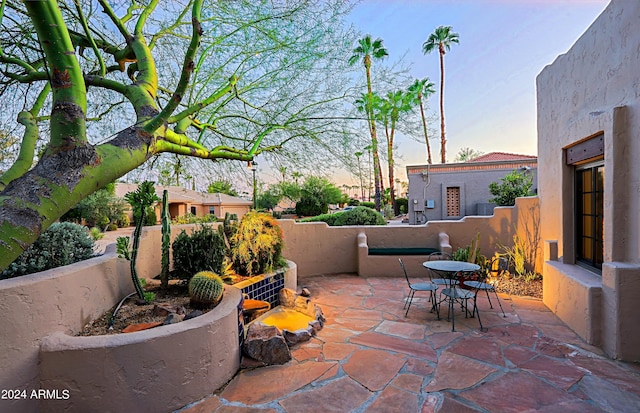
490, 94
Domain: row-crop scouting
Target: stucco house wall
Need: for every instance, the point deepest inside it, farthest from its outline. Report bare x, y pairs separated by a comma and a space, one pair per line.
428, 187
183, 201
594, 90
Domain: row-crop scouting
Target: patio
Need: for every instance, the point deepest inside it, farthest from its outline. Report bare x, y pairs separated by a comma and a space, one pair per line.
370, 358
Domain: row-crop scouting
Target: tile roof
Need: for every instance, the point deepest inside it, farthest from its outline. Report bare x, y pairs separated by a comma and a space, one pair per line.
502, 156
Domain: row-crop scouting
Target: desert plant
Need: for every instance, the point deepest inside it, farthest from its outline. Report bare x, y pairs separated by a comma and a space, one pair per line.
203, 250
166, 239
205, 289
96, 234
257, 244
471, 253
516, 255
141, 200
62, 244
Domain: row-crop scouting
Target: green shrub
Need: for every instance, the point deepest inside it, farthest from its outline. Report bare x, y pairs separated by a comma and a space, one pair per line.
368, 204
311, 206
256, 247
356, 216
122, 221
201, 251
360, 216
513, 185
95, 233
190, 218
112, 227
402, 205
330, 219
62, 244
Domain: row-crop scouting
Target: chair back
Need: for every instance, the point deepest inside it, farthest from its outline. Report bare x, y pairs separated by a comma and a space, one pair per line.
499, 266
439, 255
404, 270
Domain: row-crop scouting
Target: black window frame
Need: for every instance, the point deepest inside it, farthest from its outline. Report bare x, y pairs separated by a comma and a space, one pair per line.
589, 215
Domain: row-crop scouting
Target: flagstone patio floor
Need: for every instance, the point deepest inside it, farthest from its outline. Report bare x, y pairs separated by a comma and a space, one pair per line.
370, 358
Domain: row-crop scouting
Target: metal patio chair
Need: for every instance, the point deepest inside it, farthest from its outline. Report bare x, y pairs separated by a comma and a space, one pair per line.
496, 271
413, 287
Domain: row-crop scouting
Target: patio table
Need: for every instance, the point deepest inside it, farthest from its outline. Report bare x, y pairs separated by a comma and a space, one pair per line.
448, 269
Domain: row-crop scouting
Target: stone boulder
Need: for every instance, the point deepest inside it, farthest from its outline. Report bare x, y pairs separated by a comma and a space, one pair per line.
266, 345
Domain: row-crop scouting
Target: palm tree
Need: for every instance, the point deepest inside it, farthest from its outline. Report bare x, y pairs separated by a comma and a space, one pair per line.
358, 155
441, 39
423, 88
368, 50
392, 107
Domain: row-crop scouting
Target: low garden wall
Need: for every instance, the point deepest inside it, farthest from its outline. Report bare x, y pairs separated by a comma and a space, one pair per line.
156, 370
320, 249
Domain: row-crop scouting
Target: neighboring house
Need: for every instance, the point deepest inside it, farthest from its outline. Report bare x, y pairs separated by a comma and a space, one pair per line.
589, 187
183, 201
455, 190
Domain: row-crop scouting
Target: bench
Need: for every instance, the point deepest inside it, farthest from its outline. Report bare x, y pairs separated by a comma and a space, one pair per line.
402, 251
383, 261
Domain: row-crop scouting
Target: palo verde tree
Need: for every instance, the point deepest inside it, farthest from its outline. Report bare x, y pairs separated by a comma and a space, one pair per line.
109, 85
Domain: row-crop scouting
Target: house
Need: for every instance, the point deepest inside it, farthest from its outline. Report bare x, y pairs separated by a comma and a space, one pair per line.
183, 201
588, 104
454, 190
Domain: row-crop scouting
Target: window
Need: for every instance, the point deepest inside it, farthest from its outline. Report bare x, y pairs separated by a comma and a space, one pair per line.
212, 210
453, 201
193, 210
589, 214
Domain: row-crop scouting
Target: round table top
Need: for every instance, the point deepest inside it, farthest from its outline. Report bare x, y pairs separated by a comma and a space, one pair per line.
450, 266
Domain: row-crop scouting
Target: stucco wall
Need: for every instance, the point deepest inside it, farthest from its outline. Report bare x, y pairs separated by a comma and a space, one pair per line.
37, 305
157, 370
320, 249
595, 88
474, 190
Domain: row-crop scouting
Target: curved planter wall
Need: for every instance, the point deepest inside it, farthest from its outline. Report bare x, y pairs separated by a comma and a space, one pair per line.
156, 370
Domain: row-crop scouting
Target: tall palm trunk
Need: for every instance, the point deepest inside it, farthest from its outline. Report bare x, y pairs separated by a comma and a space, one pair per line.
424, 128
374, 137
443, 139
391, 165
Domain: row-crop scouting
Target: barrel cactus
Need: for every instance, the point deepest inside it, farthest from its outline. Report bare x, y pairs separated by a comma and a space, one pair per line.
205, 289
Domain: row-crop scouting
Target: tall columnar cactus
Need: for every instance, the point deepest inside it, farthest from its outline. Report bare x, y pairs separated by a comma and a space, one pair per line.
205, 289
140, 199
166, 239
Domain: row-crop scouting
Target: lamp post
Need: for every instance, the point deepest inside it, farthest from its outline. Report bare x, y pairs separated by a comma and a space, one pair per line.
254, 168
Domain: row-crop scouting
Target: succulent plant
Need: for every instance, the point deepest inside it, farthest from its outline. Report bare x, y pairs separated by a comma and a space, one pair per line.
205, 289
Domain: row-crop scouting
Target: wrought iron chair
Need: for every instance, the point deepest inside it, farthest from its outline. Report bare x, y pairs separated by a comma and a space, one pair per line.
413, 287
454, 293
496, 270
445, 282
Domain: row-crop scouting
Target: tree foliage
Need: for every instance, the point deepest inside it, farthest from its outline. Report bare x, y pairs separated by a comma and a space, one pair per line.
110, 85
512, 186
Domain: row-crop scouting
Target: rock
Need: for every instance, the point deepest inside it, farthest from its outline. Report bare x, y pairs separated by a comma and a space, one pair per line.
193, 314
181, 310
140, 302
298, 336
162, 310
316, 325
173, 318
253, 309
266, 344
287, 297
305, 292
141, 326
